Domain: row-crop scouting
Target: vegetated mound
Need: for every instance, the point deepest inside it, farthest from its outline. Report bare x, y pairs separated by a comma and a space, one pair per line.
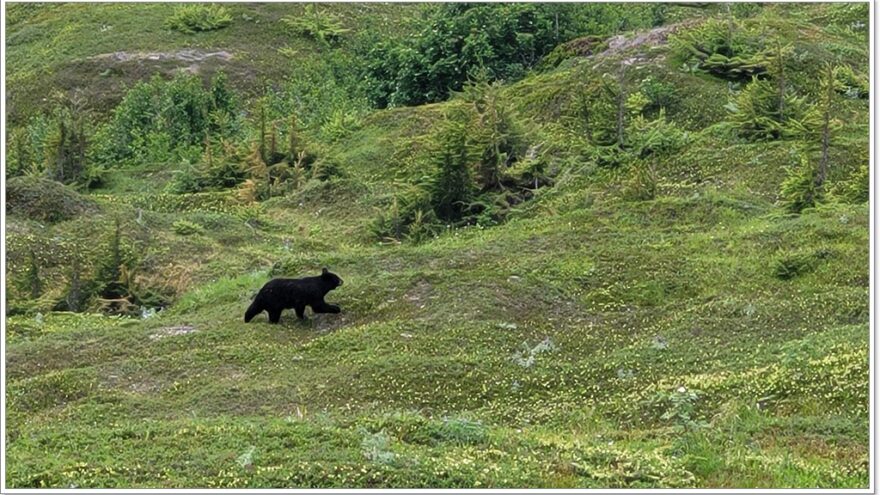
44, 200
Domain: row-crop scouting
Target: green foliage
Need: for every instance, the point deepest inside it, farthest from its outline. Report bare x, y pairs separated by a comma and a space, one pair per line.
470, 152
792, 265
856, 189
660, 94
322, 169
188, 179
799, 190
462, 431
642, 183
376, 448
185, 227
317, 23
495, 135
755, 113
723, 47
194, 17
32, 283
438, 371
325, 95
65, 145
224, 171
18, 153
79, 291
340, 124
850, 83
679, 408
600, 107
116, 261
410, 216
453, 185
611, 467
505, 39
657, 137
851, 16
582, 46
224, 106
163, 121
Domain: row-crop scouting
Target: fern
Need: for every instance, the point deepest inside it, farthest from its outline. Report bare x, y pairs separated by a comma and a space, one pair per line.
193, 17
316, 23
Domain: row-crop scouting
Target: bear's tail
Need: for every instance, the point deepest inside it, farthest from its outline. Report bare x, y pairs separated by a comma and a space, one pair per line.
253, 310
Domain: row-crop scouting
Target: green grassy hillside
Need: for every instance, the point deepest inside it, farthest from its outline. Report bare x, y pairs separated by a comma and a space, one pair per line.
639, 320
104, 48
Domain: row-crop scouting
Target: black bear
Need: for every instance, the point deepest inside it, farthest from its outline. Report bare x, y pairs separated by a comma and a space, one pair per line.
297, 293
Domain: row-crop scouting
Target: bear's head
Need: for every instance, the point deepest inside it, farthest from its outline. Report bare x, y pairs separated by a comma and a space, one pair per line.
331, 278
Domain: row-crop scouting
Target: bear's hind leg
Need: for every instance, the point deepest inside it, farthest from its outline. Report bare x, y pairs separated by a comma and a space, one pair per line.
300, 312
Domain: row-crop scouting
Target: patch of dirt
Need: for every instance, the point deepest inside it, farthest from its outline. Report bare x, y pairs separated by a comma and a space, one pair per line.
186, 55
651, 38
137, 384
640, 43
419, 293
327, 322
105, 78
192, 56
144, 388
172, 331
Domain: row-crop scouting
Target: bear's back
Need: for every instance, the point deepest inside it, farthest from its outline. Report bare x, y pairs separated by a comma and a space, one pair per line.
292, 288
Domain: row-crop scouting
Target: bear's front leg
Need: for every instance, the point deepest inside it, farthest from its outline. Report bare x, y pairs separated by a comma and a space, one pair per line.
275, 315
323, 307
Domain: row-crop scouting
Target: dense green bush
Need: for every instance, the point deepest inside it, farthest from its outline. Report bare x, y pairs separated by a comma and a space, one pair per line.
410, 216
326, 95
56, 144
115, 266
162, 121
755, 113
583, 46
799, 189
659, 136
507, 40
723, 47
193, 17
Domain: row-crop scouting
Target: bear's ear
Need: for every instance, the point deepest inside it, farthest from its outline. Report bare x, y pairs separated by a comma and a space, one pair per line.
325, 271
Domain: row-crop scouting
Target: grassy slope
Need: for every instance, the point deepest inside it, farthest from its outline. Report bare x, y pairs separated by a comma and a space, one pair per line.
59, 46
423, 380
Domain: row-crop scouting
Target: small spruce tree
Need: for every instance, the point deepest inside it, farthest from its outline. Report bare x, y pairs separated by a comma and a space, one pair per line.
453, 187
32, 280
293, 144
494, 133
828, 85
110, 270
